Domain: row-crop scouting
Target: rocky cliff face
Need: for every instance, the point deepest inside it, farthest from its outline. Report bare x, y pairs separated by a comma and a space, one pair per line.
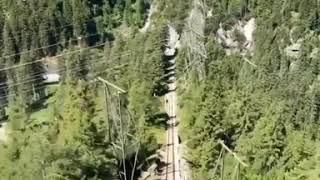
237, 38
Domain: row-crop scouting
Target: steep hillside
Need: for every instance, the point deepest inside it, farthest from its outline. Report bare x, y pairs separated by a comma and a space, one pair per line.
257, 91
82, 127
89, 88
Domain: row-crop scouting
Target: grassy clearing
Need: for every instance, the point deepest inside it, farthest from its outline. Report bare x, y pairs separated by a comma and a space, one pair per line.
40, 115
42, 109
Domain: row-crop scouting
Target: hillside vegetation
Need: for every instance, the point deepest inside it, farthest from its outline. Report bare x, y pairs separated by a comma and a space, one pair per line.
263, 104
260, 97
73, 130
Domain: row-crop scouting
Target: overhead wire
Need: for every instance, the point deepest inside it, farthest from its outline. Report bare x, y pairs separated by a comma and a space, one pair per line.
33, 78
52, 29
39, 75
45, 85
42, 47
43, 59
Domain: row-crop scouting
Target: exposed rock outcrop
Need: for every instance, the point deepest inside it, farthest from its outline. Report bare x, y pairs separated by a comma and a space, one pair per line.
173, 42
239, 38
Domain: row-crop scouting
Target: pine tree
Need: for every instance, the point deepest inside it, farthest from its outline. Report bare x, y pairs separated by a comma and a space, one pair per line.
24, 74
68, 18
80, 17
264, 146
307, 169
2, 21
140, 11
107, 16
10, 60
84, 153
44, 36
128, 12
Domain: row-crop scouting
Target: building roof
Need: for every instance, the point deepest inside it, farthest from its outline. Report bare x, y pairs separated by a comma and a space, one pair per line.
51, 78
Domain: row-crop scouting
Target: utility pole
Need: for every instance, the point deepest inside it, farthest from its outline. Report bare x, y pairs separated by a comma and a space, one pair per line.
106, 95
222, 166
232, 153
112, 85
221, 160
122, 139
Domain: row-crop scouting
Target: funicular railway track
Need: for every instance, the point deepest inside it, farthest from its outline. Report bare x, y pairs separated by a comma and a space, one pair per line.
171, 171
170, 149
171, 145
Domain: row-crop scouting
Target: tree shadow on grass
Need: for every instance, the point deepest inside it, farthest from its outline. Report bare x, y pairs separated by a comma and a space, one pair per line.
41, 103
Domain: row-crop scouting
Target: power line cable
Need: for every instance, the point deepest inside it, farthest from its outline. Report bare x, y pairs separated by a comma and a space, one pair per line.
41, 60
44, 86
52, 29
40, 75
42, 47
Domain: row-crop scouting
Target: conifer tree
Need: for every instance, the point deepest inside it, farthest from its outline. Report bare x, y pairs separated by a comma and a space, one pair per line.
44, 36
140, 11
68, 19
80, 16
107, 16
128, 12
9, 50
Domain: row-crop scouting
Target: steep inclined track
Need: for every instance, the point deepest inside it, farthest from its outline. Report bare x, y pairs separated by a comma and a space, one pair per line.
171, 171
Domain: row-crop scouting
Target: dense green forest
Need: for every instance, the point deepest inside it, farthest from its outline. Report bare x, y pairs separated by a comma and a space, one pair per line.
263, 104
266, 111
65, 131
